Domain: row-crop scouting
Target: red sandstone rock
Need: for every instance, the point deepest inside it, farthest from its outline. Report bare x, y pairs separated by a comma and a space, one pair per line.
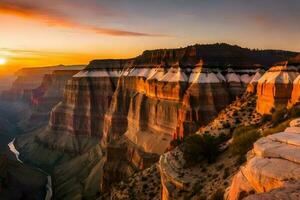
275, 87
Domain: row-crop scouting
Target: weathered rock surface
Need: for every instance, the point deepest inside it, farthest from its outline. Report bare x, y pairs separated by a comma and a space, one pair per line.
289, 191
295, 97
252, 86
46, 96
274, 88
273, 162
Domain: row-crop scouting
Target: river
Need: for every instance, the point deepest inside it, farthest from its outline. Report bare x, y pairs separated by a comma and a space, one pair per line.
49, 193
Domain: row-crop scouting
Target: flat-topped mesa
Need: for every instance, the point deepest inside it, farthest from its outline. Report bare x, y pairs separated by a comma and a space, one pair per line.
273, 163
110, 64
218, 55
275, 87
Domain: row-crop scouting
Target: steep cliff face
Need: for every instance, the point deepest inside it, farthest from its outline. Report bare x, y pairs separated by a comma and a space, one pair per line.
29, 79
295, 97
275, 87
73, 133
75, 124
252, 86
152, 106
272, 163
205, 96
46, 96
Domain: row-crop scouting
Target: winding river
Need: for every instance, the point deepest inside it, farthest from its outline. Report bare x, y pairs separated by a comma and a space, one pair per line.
49, 193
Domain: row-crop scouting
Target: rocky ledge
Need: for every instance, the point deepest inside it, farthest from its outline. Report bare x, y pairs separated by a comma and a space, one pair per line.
273, 163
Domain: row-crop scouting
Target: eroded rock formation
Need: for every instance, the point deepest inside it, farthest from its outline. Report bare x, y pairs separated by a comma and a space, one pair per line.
46, 96
252, 86
274, 88
271, 164
295, 97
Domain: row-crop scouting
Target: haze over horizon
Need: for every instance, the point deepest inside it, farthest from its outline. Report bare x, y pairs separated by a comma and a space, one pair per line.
42, 33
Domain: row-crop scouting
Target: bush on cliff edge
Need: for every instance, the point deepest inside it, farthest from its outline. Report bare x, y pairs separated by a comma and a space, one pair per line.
200, 147
243, 139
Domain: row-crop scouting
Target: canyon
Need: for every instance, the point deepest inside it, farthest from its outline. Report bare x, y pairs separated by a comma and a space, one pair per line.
117, 117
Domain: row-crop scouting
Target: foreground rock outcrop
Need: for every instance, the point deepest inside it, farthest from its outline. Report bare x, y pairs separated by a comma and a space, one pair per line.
203, 180
271, 164
289, 191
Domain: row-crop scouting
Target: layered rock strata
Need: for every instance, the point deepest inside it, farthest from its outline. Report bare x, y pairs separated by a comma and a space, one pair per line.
295, 97
46, 96
275, 87
151, 106
252, 86
272, 163
289, 191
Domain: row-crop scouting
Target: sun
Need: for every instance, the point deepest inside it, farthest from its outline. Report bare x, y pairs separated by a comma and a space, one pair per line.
2, 61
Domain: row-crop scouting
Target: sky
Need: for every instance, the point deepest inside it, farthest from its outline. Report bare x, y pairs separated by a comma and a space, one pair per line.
49, 32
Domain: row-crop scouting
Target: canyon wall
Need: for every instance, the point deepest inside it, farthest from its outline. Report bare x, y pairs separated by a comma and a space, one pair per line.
275, 87
43, 98
28, 79
135, 107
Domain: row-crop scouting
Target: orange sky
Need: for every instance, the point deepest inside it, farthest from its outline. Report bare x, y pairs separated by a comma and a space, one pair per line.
51, 32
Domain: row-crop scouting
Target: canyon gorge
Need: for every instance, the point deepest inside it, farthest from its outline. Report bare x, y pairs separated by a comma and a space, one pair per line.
105, 130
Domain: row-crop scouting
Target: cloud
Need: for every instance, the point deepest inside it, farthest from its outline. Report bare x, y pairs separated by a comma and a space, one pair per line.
54, 17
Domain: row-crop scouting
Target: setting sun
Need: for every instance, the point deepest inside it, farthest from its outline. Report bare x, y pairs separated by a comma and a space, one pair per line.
2, 61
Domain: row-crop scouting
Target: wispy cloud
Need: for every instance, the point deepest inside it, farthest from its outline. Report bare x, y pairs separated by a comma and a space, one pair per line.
55, 17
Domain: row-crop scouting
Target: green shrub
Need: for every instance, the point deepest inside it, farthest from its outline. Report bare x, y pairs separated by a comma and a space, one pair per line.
266, 118
200, 147
174, 143
295, 111
226, 173
218, 195
243, 139
279, 128
279, 116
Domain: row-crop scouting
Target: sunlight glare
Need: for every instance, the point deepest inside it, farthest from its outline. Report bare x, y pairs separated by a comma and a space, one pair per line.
2, 61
